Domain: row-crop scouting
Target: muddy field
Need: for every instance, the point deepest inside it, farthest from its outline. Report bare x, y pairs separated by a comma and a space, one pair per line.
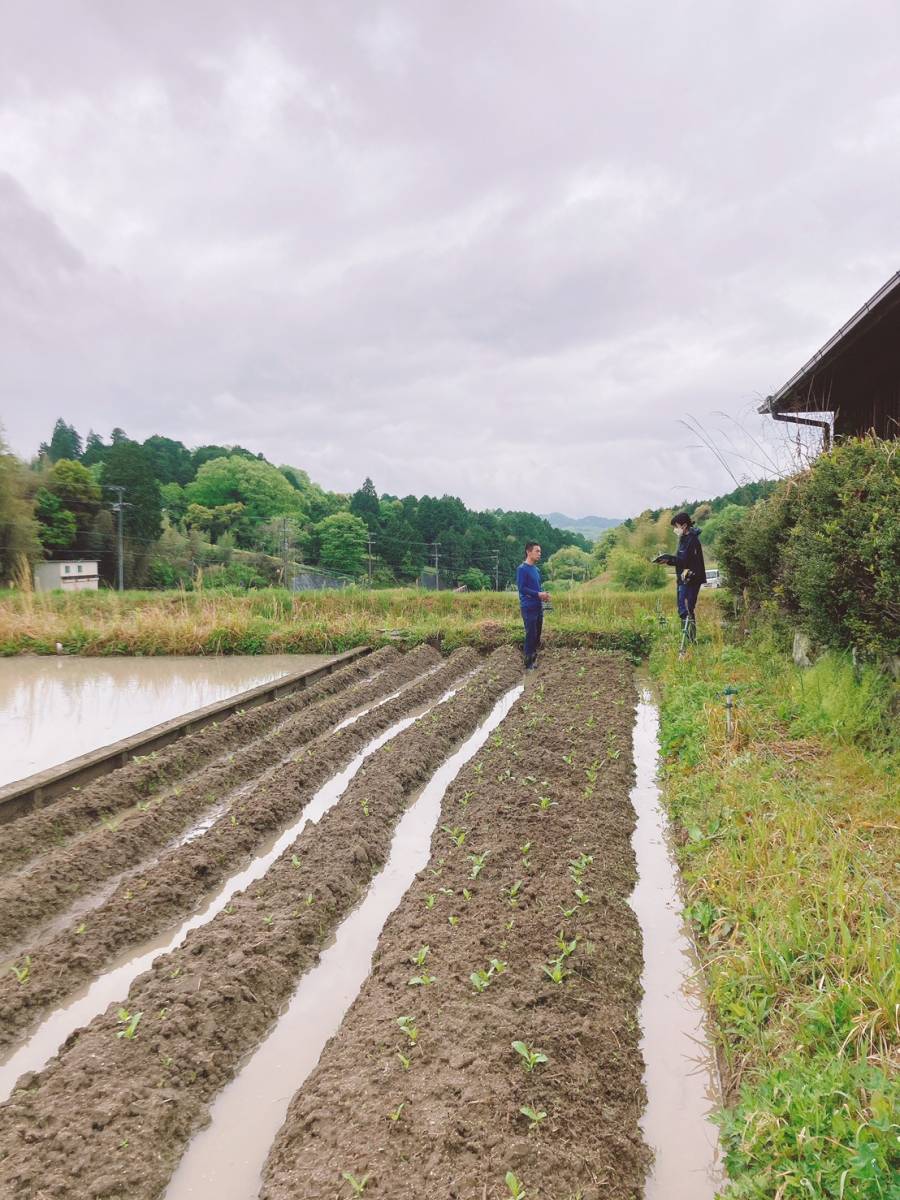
160, 936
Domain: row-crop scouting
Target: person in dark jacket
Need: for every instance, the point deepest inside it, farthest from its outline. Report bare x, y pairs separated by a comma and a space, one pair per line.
690, 570
531, 601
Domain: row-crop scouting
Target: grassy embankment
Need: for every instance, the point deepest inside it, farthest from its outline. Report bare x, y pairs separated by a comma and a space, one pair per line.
788, 846
274, 621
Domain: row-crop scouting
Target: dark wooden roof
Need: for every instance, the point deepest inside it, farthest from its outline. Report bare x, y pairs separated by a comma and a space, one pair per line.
856, 374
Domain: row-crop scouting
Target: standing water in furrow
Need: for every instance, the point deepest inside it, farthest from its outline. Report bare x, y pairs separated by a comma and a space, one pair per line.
227, 1158
113, 984
187, 1024
157, 900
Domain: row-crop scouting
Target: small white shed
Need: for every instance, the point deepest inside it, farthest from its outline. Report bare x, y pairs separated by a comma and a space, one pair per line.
77, 576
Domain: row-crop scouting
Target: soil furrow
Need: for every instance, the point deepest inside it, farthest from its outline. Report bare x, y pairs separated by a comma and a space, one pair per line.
155, 899
143, 777
110, 1116
58, 877
439, 1112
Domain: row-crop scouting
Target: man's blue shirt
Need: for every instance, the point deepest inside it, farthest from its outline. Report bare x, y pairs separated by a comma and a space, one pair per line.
528, 581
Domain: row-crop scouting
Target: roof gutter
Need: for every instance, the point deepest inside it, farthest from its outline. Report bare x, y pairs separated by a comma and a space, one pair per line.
825, 426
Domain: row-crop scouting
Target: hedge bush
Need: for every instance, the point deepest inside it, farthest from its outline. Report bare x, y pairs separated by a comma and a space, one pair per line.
826, 547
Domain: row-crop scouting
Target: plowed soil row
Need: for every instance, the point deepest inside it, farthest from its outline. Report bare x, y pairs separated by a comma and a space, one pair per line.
111, 1115
449, 1124
169, 889
125, 788
60, 875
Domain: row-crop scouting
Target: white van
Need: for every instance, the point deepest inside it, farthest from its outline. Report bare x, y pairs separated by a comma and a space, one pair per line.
714, 578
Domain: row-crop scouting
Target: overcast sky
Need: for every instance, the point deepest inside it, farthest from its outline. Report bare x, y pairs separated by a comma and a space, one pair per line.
497, 249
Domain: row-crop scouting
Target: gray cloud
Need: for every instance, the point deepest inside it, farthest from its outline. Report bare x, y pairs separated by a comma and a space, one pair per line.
497, 250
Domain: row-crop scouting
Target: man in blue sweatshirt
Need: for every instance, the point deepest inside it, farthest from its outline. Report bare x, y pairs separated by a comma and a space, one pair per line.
531, 601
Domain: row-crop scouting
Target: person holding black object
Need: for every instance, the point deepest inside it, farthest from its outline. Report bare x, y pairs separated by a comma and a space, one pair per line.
531, 602
690, 570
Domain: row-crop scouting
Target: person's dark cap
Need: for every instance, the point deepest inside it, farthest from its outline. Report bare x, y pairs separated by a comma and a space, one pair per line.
681, 519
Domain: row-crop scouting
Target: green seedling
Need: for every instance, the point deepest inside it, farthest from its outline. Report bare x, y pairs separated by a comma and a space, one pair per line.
497, 739
497, 967
477, 861
530, 779
555, 970
534, 1117
405, 1062
22, 973
406, 1024
567, 759
453, 920
581, 671
514, 893
567, 912
592, 771
130, 1021
422, 980
108, 823
364, 805
525, 851
504, 775
162, 1014
81, 928
464, 799
590, 723
456, 834
581, 896
480, 980
395, 1113
310, 899
234, 821
418, 959
566, 948
143, 805
445, 891
579, 865
267, 921
295, 861
545, 803
515, 1185
358, 1185
467, 895
530, 1058
429, 900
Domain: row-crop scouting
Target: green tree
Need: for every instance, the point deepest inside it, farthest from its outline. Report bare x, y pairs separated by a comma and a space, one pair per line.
174, 501
94, 449
205, 454
19, 543
56, 525
475, 580
570, 563
342, 543
171, 460
65, 442
634, 573
260, 487
364, 504
130, 466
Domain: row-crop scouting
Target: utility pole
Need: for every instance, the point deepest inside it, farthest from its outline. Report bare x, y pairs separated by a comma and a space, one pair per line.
119, 507
369, 553
285, 552
496, 556
437, 572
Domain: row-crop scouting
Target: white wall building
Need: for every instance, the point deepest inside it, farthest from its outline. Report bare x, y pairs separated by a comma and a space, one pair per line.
70, 576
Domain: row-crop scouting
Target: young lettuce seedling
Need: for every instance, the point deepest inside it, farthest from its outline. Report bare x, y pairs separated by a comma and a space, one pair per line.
406, 1024
418, 959
456, 835
531, 1058
405, 1062
22, 973
515, 1185
477, 861
130, 1021
534, 1117
358, 1185
395, 1113
422, 980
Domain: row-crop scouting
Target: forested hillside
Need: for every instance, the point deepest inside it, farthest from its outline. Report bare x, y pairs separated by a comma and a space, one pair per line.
227, 512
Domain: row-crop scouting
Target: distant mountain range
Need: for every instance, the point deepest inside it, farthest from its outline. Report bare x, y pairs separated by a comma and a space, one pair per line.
591, 527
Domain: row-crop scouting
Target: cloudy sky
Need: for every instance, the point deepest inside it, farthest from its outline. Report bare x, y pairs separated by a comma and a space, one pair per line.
499, 249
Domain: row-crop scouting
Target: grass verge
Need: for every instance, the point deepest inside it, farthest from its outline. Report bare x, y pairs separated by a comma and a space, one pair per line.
274, 621
788, 841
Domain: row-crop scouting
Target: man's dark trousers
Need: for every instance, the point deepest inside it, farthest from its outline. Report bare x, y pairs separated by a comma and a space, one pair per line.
687, 602
534, 621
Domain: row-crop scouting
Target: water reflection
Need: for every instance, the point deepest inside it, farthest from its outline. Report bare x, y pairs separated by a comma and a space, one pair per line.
53, 709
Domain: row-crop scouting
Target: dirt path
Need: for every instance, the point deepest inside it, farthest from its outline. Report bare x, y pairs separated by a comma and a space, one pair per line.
156, 898
110, 1116
447, 1122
